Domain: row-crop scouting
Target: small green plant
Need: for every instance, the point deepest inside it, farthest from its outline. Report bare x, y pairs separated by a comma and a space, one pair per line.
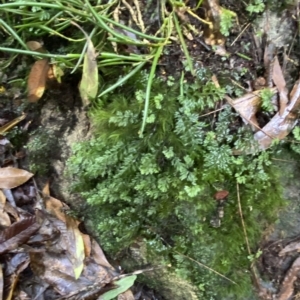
227, 17
38, 149
266, 97
160, 188
255, 256
255, 6
295, 145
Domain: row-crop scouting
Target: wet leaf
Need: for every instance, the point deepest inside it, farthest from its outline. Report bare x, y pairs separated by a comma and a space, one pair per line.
88, 86
123, 285
73, 236
76, 246
12, 177
17, 234
56, 270
36, 83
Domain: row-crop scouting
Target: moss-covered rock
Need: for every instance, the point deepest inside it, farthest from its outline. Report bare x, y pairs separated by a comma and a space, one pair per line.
160, 188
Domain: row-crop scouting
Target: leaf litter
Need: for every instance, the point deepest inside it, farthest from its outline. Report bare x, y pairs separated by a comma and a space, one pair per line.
41, 72
43, 240
282, 123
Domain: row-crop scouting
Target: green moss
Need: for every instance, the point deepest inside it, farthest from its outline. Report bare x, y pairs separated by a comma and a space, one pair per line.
38, 148
160, 188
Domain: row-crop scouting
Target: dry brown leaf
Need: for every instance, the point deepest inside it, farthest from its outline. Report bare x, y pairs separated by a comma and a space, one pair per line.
56, 270
55, 207
126, 296
17, 234
35, 46
289, 248
4, 217
280, 125
12, 177
46, 190
37, 80
247, 106
280, 83
287, 286
99, 256
87, 244
76, 246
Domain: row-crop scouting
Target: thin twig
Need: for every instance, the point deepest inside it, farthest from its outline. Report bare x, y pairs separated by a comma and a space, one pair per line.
212, 112
285, 160
240, 34
242, 218
206, 267
139, 15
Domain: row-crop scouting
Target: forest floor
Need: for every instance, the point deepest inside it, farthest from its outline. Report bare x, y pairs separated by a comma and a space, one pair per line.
38, 137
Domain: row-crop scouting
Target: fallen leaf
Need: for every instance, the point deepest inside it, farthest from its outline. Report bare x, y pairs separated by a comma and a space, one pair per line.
247, 106
87, 244
11, 124
18, 233
280, 83
287, 286
72, 235
88, 86
35, 46
4, 217
12, 177
56, 270
55, 206
289, 248
281, 124
36, 83
46, 190
99, 256
76, 246
127, 295
123, 285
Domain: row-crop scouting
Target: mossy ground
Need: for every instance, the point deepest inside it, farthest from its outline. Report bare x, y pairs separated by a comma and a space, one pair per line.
160, 188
